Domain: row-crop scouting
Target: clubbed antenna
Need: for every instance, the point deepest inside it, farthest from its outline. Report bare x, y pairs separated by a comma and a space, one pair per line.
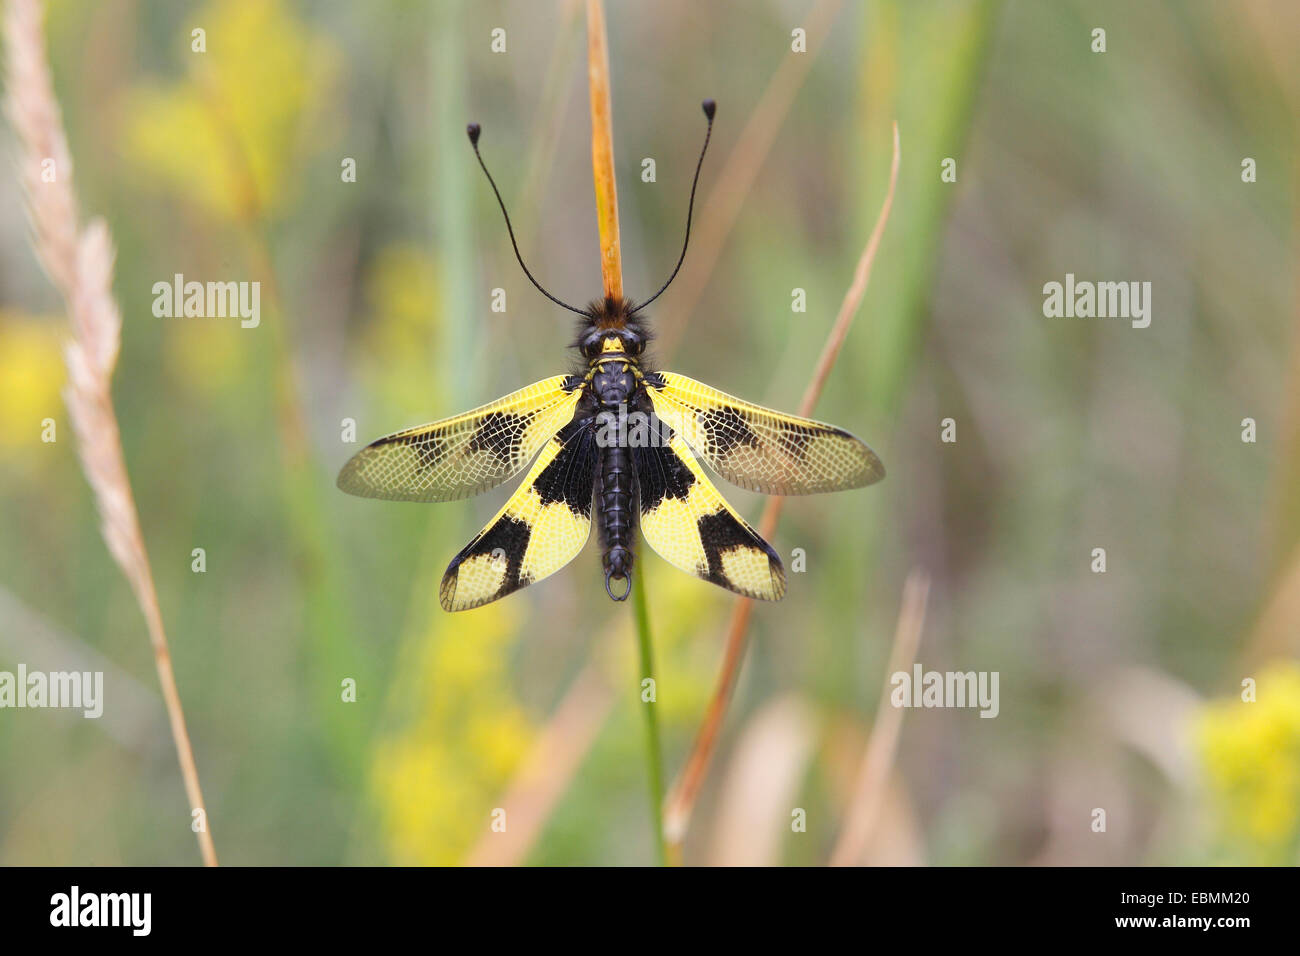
710, 108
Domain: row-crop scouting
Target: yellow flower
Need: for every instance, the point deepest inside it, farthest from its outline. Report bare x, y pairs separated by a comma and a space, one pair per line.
1250, 752
435, 781
31, 375
228, 134
402, 297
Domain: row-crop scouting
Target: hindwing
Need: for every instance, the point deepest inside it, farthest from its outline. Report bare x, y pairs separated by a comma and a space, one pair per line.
692, 527
542, 527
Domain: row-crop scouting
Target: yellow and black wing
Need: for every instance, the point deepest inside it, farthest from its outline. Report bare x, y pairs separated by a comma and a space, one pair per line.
759, 448
466, 454
691, 526
541, 528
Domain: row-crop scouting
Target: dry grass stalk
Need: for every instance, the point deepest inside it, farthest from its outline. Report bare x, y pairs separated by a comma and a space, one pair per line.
873, 775
681, 800
721, 209
80, 263
750, 822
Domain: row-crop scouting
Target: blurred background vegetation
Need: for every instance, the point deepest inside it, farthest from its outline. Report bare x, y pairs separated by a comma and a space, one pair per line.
1119, 691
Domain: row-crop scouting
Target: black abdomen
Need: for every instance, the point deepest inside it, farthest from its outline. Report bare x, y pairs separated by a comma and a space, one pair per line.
613, 387
616, 526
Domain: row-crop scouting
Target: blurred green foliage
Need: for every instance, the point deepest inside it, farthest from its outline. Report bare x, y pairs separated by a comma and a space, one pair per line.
1072, 434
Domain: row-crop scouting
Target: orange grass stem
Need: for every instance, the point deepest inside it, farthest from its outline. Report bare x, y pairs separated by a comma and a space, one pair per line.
602, 151
611, 271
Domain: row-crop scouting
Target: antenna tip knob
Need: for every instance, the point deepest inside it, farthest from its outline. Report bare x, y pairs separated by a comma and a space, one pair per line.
710, 108
473, 129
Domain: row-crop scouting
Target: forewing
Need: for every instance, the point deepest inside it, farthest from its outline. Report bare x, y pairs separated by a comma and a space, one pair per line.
759, 448
541, 528
466, 454
691, 526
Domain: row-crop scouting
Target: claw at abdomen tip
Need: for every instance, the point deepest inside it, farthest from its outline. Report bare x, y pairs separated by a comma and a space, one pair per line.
622, 577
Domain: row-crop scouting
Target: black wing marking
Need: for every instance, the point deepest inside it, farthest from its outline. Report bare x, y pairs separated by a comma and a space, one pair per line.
692, 527
466, 454
542, 527
760, 448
